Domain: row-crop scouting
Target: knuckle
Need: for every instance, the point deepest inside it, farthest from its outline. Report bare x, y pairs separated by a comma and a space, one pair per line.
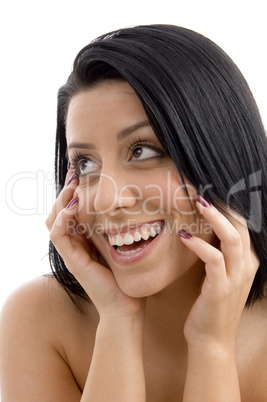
235, 238
252, 269
247, 279
249, 276
255, 261
217, 257
52, 236
48, 223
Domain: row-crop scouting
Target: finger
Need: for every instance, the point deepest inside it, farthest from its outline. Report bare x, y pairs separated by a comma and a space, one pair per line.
240, 224
76, 252
249, 252
64, 198
232, 232
221, 225
63, 234
255, 261
211, 256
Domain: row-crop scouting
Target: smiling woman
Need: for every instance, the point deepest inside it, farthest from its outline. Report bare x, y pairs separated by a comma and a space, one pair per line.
124, 151
158, 234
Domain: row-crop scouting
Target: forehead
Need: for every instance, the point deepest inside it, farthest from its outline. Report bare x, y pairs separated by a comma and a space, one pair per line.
105, 95
109, 105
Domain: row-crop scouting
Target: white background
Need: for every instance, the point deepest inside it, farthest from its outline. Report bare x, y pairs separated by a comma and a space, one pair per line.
39, 41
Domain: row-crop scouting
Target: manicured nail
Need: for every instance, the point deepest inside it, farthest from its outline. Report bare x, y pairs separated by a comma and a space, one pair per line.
201, 200
74, 176
184, 234
72, 202
68, 165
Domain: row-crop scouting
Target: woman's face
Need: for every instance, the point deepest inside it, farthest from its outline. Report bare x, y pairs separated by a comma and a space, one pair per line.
131, 199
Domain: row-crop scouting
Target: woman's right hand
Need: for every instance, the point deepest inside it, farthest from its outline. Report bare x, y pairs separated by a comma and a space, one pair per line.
83, 260
116, 369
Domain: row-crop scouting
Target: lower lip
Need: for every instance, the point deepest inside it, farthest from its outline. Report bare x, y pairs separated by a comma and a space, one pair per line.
137, 256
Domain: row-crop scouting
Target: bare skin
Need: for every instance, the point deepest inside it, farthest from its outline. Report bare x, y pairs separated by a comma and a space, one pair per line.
169, 326
64, 355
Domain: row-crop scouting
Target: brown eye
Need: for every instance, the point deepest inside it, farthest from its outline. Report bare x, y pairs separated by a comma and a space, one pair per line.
137, 152
86, 166
142, 152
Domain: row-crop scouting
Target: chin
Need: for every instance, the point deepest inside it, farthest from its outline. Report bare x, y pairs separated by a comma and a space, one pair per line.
142, 285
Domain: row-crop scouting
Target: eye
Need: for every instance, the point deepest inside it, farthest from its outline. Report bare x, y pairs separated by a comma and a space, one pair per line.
86, 166
142, 152
83, 165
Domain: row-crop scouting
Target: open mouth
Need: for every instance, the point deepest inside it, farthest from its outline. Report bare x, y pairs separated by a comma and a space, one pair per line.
131, 242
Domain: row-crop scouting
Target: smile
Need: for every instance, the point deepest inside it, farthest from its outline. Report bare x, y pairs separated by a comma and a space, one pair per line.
135, 240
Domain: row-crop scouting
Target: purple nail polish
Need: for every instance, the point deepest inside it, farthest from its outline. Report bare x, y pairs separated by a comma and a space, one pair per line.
74, 176
201, 200
72, 202
184, 234
68, 165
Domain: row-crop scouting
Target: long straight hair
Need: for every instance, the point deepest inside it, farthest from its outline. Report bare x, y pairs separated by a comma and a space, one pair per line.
202, 111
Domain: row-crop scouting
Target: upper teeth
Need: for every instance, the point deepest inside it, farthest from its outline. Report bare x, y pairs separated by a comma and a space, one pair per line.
128, 238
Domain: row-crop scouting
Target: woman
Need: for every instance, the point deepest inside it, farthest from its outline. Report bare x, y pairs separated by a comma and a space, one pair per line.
158, 234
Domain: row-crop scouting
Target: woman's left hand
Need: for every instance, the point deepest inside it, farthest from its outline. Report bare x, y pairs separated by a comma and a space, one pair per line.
230, 271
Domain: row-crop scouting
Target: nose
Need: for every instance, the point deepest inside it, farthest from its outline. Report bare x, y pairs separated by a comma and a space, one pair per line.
115, 195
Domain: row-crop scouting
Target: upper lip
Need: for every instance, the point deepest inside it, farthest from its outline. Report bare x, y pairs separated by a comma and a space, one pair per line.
114, 229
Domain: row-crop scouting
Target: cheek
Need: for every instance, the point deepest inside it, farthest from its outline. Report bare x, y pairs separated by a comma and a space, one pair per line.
178, 203
154, 193
168, 195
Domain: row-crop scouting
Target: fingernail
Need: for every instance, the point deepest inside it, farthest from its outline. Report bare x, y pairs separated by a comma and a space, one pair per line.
68, 165
74, 176
201, 200
72, 202
184, 234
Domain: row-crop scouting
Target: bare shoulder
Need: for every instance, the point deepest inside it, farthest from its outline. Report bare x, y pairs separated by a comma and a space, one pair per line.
42, 335
42, 303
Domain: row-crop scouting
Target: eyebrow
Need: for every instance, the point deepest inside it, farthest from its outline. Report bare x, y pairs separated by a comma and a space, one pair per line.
120, 135
129, 130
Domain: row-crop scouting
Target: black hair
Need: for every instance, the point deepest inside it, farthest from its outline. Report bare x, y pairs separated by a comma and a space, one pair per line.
201, 109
